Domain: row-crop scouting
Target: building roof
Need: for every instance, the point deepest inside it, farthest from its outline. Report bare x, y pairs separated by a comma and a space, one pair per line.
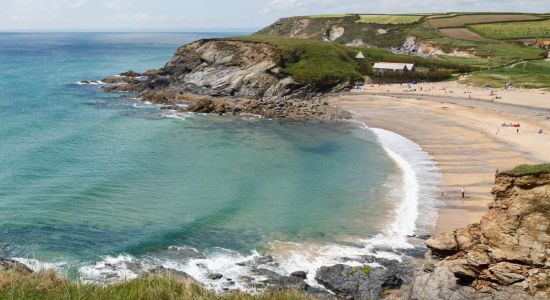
393, 66
360, 55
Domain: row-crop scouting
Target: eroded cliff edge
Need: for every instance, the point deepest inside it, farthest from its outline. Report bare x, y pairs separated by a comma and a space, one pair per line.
504, 256
233, 76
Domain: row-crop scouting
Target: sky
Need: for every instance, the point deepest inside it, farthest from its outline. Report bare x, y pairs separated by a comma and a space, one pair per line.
188, 15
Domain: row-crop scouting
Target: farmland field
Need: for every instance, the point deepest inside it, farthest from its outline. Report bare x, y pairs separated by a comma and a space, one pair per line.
462, 34
463, 20
327, 16
388, 19
514, 30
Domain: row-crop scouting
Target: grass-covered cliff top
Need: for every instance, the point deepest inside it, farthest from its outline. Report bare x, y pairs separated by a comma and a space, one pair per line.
319, 62
49, 286
523, 170
488, 42
311, 61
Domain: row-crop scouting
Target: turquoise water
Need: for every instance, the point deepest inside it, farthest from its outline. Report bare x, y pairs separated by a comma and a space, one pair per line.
86, 174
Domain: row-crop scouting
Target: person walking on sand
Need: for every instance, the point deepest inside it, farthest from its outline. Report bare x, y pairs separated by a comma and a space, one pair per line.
462, 192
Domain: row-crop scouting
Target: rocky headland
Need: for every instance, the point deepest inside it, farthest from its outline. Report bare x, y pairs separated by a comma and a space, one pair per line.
504, 256
231, 77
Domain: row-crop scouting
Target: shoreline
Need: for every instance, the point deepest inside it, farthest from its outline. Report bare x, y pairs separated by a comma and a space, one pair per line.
461, 137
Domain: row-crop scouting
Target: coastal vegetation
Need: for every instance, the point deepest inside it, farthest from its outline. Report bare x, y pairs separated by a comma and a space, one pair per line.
322, 63
442, 45
523, 170
311, 61
49, 285
388, 19
513, 30
530, 74
467, 19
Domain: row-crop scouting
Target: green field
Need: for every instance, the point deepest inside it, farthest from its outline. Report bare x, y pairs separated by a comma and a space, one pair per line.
388, 19
513, 30
463, 20
328, 16
532, 74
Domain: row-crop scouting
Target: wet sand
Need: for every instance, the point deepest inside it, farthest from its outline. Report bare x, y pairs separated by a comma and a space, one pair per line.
461, 136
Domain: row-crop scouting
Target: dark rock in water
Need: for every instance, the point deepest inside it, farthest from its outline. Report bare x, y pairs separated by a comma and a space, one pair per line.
179, 275
119, 80
215, 276
299, 274
117, 88
277, 281
286, 282
8, 264
359, 282
130, 74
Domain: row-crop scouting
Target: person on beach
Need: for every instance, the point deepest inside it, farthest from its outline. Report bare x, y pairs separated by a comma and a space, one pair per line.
462, 192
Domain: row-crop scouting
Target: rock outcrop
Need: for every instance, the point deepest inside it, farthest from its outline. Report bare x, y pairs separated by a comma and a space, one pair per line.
229, 76
505, 256
367, 281
8, 264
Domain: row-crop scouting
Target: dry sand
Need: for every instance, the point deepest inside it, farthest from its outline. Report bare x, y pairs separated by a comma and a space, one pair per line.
461, 136
534, 98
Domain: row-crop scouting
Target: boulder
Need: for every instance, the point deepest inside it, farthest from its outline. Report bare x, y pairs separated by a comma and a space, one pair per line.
299, 274
358, 282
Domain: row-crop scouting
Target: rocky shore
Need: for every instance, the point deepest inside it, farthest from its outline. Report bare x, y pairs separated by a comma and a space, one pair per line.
505, 256
230, 77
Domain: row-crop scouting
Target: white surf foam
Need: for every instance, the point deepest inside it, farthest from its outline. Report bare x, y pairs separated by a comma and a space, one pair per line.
90, 82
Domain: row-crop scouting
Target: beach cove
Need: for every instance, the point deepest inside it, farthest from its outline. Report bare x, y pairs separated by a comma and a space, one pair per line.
104, 188
463, 136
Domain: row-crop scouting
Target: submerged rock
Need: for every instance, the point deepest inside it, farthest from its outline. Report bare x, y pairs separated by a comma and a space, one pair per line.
505, 256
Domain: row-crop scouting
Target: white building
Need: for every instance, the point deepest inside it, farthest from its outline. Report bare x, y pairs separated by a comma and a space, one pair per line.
389, 67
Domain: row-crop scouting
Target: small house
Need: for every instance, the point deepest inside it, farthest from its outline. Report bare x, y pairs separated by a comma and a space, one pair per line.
360, 55
384, 68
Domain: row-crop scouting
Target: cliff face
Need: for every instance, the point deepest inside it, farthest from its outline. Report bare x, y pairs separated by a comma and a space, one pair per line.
505, 256
229, 68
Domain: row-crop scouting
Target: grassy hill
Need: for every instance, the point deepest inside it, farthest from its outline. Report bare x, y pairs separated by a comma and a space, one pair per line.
482, 43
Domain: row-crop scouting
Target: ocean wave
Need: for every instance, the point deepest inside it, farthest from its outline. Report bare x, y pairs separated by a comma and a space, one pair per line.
90, 82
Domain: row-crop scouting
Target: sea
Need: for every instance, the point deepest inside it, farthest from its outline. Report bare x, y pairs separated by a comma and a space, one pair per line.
103, 187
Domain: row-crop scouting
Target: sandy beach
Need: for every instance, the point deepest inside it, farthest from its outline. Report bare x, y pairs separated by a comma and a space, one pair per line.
463, 135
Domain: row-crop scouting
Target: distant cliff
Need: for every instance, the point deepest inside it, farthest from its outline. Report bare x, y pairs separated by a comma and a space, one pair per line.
505, 256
